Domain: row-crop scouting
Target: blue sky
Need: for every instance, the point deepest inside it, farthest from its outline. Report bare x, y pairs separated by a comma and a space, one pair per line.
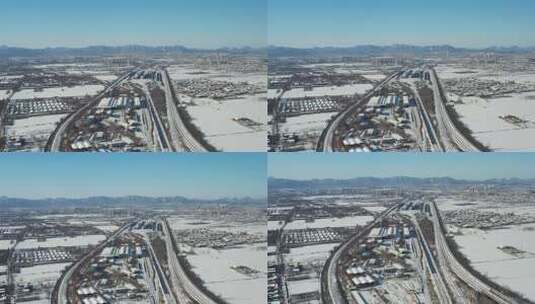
207, 175
74, 23
465, 23
473, 166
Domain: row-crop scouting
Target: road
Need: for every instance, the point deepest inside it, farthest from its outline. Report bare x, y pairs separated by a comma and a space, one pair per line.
60, 293
54, 142
452, 139
332, 292
434, 268
459, 270
160, 134
327, 139
184, 288
182, 138
163, 282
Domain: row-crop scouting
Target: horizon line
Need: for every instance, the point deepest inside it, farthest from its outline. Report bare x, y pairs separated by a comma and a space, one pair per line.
401, 44
407, 176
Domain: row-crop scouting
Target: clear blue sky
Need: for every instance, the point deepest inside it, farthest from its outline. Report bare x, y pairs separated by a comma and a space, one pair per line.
74, 23
473, 166
207, 175
465, 23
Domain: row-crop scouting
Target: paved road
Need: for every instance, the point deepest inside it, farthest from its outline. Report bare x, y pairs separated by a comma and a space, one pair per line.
54, 143
452, 139
185, 289
181, 137
61, 294
333, 293
326, 145
459, 270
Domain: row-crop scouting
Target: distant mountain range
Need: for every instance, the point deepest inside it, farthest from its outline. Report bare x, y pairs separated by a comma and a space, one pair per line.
403, 181
395, 49
124, 201
7, 51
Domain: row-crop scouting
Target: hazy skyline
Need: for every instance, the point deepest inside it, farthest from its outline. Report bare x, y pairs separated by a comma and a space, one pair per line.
205, 24
343, 23
203, 175
470, 166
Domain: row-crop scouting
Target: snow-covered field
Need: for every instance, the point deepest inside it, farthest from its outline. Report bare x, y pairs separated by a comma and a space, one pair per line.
41, 274
349, 221
76, 91
6, 244
304, 286
38, 126
106, 77
84, 240
481, 247
458, 71
345, 90
214, 268
311, 123
316, 254
215, 120
274, 225
482, 116
273, 93
4, 94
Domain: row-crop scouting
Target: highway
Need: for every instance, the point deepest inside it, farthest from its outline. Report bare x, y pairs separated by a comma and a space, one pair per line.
60, 292
458, 269
332, 291
182, 138
54, 142
434, 268
452, 139
160, 134
185, 289
163, 282
327, 138
428, 130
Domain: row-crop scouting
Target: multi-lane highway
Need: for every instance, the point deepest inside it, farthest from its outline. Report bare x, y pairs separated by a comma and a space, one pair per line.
451, 138
456, 267
439, 135
182, 138
185, 289
55, 140
60, 292
326, 141
329, 280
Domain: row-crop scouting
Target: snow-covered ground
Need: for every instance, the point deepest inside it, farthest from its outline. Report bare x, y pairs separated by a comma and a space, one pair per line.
41, 274
304, 286
349, 221
311, 123
482, 116
274, 225
4, 94
317, 254
481, 247
458, 71
84, 240
76, 91
345, 90
214, 268
106, 77
6, 244
38, 126
215, 120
